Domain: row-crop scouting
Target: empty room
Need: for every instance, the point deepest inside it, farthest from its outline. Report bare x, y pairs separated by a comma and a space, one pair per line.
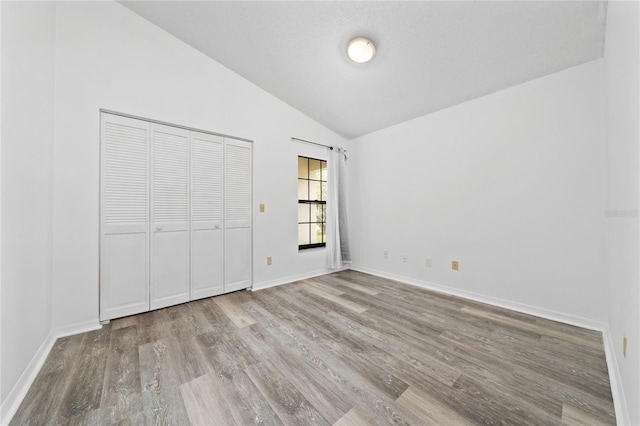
320, 212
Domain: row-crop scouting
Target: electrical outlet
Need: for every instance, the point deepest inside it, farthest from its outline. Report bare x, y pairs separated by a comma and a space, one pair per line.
261, 208
427, 262
454, 265
269, 261
624, 346
386, 254
405, 258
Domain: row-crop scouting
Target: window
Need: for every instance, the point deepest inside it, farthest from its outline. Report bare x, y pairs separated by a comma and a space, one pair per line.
312, 203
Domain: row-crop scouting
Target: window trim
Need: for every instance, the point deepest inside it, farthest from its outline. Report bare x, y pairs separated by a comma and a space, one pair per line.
323, 179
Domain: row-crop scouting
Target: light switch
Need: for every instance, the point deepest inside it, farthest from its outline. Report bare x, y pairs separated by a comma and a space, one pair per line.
261, 208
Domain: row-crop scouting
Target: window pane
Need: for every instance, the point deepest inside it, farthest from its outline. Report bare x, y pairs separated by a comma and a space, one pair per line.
304, 212
324, 233
315, 190
316, 231
324, 170
318, 213
303, 234
303, 189
324, 191
303, 168
314, 169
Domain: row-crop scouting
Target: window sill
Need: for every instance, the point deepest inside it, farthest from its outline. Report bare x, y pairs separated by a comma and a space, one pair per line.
311, 249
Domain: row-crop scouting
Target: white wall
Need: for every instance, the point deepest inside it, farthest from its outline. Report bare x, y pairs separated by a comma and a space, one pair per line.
108, 57
622, 73
512, 185
28, 31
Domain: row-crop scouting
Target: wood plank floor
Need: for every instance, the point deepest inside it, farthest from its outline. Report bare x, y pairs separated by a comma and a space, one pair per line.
343, 349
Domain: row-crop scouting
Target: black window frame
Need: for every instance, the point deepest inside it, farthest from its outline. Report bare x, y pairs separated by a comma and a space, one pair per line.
322, 202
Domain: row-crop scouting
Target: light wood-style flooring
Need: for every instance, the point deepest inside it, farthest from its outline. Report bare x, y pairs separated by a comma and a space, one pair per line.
345, 349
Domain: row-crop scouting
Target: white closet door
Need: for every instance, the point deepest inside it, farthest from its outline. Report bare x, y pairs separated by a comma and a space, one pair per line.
124, 217
238, 252
169, 216
206, 215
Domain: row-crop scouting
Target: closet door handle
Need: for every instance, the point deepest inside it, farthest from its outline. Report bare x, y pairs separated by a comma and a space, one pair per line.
158, 228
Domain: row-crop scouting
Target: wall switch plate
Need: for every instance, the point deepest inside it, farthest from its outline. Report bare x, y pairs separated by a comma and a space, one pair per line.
427, 262
454, 265
269, 261
386, 254
624, 346
261, 208
405, 258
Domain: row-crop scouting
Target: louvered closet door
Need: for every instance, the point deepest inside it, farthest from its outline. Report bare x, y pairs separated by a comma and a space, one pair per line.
124, 217
207, 170
169, 216
237, 256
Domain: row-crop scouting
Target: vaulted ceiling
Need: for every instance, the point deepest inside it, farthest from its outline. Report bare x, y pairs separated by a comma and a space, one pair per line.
430, 55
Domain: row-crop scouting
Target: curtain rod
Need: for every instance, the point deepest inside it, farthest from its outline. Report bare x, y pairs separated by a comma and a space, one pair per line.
313, 143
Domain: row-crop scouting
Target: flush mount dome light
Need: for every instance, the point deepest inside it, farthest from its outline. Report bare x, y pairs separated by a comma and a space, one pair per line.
361, 50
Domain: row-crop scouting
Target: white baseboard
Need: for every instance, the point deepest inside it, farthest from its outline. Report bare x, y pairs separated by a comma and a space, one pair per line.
293, 278
13, 400
495, 301
69, 330
617, 391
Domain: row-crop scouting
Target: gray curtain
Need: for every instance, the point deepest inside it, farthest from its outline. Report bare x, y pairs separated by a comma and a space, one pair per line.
338, 249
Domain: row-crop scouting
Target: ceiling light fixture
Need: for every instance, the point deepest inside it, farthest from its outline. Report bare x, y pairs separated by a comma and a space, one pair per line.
361, 50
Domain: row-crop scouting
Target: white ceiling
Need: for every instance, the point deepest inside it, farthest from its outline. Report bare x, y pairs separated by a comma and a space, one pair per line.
430, 55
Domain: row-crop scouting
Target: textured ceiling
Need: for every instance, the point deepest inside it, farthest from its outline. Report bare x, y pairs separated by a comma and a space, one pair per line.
430, 55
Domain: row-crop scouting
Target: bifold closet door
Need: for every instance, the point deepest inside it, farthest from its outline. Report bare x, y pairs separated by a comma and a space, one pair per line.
169, 216
207, 173
238, 232
175, 218
124, 217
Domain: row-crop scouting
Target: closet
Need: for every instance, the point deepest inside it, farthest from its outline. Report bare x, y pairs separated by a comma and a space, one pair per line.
175, 215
